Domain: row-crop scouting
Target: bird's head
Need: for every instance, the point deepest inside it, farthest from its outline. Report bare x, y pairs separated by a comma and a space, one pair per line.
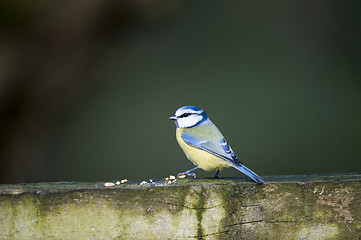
189, 116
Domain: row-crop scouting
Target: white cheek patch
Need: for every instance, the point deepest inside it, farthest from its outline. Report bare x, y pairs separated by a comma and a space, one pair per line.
189, 121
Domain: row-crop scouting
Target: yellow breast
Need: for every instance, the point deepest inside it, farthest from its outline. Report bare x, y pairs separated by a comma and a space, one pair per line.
203, 159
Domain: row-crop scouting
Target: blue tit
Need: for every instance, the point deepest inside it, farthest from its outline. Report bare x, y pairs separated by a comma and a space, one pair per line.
204, 144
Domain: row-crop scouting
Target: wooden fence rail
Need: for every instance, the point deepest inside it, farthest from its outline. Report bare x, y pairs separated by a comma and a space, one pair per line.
285, 207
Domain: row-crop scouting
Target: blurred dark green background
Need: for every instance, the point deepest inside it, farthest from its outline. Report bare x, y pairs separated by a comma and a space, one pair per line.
86, 87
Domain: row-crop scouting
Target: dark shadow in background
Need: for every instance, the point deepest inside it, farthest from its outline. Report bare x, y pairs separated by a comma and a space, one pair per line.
86, 87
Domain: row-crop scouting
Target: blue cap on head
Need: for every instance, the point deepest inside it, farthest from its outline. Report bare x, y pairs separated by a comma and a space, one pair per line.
192, 108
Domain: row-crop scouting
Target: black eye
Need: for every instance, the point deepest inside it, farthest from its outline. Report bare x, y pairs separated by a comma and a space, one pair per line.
185, 115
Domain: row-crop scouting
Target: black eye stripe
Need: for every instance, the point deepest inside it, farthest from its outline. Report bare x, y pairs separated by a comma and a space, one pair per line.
185, 115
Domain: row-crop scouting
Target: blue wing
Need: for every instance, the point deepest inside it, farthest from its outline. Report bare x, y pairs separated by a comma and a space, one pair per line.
220, 149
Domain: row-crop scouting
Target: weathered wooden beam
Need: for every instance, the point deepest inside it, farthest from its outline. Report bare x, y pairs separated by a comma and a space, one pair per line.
285, 207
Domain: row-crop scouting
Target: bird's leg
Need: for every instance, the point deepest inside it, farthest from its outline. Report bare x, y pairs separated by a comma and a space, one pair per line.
217, 174
188, 173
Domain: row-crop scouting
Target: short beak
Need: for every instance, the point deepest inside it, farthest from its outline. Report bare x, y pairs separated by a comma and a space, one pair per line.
173, 117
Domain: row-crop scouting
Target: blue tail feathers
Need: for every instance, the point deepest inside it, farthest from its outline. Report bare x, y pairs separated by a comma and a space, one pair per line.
249, 173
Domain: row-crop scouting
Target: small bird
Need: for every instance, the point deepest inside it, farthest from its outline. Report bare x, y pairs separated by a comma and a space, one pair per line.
204, 144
